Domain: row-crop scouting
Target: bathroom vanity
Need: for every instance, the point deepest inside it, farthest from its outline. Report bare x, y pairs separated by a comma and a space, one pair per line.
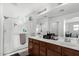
47, 47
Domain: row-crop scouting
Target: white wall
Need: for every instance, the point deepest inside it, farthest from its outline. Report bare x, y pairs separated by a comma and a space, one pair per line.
1, 30
0, 34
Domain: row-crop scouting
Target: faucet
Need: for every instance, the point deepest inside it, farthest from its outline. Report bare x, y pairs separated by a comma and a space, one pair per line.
67, 39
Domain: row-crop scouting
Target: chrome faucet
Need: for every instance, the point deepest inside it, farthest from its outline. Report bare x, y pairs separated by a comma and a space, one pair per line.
67, 39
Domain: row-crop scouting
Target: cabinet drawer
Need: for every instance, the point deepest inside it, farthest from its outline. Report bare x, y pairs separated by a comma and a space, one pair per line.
43, 49
35, 41
52, 53
69, 52
54, 47
77, 53
42, 43
42, 53
30, 39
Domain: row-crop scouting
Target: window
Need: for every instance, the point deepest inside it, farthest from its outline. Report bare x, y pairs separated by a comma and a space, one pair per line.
76, 27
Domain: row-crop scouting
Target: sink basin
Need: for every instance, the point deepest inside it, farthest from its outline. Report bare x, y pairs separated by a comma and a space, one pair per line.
72, 42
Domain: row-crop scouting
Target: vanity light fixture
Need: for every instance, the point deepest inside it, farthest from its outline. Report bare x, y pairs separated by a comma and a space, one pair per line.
5, 17
15, 24
30, 18
45, 9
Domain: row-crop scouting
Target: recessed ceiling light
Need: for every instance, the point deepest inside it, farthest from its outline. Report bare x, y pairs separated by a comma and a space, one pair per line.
15, 4
6, 17
45, 16
59, 3
61, 10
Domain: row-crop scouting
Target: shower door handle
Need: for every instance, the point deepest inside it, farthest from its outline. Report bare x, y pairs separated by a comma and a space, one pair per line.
4, 31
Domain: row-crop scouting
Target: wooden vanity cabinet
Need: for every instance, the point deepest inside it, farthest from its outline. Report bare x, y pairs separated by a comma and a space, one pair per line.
40, 48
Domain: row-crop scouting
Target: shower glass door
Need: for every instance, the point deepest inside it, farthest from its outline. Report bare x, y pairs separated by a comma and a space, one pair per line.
7, 32
11, 33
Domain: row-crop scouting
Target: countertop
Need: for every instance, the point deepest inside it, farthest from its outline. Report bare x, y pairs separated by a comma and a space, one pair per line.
73, 44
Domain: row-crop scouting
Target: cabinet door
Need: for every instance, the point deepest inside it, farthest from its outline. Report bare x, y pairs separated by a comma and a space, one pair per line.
35, 49
30, 47
52, 53
42, 51
42, 48
69, 52
53, 50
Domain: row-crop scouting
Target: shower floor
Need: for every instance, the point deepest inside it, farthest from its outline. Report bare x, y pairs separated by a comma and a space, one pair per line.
17, 54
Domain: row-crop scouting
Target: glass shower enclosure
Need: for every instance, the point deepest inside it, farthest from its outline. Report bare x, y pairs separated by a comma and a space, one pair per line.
14, 37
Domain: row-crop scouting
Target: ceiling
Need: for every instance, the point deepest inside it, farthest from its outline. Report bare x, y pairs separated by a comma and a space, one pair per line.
61, 10
27, 9
24, 9
21, 10
32, 9
64, 10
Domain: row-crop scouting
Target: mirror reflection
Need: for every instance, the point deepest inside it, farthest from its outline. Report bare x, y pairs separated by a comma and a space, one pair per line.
72, 27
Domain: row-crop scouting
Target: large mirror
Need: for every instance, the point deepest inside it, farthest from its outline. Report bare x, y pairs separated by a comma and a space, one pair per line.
51, 27
57, 27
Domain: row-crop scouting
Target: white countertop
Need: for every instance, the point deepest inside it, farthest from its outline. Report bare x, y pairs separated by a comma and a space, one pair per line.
73, 44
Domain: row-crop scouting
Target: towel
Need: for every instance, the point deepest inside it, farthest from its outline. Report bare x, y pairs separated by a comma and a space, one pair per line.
22, 39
